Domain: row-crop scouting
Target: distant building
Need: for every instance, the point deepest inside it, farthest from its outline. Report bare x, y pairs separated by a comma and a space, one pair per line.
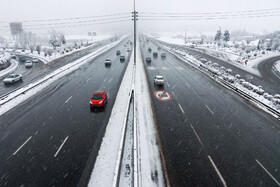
16, 28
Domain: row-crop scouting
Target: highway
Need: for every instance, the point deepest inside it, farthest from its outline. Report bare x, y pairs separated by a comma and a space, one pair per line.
40, 69
210, 135
53, 138
267, 80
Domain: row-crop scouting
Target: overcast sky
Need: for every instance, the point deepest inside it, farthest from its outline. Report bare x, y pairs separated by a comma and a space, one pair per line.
22, 10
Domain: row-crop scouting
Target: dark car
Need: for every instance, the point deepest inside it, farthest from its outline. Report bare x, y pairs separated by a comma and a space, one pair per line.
122, 58
22, 59
150, 49
118, 52
155, 54
148, 59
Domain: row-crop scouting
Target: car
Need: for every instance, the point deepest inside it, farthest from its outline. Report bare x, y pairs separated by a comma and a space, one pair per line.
150, 49
148, 59
13, 56
163, 55
122, 58
128, 50
159, 80
108, 62
28, 64
22, 58
155, 54
35, 60
99, 99
118, 52
12, 78
159, 48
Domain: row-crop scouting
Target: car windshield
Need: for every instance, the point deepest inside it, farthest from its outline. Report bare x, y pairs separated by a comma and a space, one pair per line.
96, 97
11, 76
159, 78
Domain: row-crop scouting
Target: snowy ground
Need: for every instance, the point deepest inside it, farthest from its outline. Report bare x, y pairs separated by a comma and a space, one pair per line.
277, 66
93, 40
10, 102
228, 54
11, 68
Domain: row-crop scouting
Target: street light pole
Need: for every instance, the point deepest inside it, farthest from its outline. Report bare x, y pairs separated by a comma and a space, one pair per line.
134, 18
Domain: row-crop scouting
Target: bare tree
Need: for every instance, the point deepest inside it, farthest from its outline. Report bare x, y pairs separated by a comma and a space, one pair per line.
38, 48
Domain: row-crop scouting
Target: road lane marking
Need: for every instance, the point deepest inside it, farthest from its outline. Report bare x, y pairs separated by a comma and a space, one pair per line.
174, 95
60, 146
167, 84
209, 109
110, 80
268, 172
68, 100
181, 108
22, 145
105, 79
217, 171
88, 79
174, 87
187, 84
196, 135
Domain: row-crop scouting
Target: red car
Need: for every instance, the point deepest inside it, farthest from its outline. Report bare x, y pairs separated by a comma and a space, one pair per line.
98, 99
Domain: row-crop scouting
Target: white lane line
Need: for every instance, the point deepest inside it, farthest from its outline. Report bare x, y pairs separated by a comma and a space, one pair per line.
217, 171
187, 84
181, 108
196, 135
68, 100
209, 109
88, 79
174, 95
174, 87
110, 80
167, 84
105, 79
60, 146
22, 146
268, 172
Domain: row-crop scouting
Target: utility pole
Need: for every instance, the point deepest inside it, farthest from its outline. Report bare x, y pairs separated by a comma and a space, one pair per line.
135, 16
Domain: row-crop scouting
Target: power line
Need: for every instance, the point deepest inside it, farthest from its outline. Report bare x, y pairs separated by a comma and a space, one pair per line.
73, 18
207, 13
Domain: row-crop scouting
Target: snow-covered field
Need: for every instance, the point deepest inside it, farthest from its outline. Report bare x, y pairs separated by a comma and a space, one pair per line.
93, 40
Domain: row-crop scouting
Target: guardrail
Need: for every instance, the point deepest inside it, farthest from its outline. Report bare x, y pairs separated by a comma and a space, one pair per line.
224, 83
116, 178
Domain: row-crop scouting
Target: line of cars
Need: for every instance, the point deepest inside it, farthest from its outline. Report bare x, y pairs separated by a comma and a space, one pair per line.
14, 77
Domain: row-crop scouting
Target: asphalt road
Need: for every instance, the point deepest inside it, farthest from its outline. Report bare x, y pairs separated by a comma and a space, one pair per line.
40, 69
209, 134
53, 138
270, 85
265, 67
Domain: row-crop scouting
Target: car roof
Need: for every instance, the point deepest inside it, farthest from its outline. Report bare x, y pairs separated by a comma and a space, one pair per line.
99, 92
159, 76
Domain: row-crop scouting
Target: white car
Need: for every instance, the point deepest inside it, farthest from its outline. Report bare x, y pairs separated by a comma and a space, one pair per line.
35, 60
12, 78
159, 80
28, 64
108, 62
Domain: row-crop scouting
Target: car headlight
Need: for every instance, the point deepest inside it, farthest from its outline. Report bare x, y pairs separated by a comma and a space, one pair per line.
100, 102
90, 102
